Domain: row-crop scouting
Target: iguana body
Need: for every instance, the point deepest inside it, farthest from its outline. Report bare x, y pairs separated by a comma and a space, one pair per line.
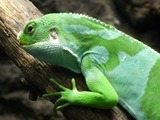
117, 68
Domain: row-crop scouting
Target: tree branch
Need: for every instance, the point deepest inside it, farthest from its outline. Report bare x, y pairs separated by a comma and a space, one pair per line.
14, 14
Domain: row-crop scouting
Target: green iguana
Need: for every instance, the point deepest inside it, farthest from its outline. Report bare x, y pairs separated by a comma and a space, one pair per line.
116, 67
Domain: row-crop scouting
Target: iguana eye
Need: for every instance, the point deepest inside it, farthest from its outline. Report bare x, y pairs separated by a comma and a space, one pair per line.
30, 29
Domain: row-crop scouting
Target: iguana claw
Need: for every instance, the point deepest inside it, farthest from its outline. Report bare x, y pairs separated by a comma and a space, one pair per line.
65, 99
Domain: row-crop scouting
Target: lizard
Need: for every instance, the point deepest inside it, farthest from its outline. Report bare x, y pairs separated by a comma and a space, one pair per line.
117, 67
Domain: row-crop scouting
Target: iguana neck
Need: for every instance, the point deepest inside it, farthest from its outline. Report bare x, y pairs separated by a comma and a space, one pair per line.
57, 54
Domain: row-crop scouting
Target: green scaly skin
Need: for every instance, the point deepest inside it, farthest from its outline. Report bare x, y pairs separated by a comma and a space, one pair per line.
116, 67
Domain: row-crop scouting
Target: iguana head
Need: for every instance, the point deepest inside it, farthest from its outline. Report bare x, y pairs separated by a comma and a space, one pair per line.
39, 30
35, 31
39, 38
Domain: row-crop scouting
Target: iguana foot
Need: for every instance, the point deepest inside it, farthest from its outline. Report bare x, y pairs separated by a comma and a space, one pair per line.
66, 98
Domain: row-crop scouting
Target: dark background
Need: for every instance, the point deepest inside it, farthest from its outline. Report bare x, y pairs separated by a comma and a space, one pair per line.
138, 18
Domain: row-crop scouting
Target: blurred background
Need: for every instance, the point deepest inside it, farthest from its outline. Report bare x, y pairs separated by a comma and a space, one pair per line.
138, 18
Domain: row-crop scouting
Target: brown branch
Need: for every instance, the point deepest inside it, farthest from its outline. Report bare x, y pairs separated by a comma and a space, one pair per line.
13, 15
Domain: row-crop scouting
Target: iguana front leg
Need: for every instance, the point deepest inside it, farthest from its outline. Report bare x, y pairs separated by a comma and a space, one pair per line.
102, 94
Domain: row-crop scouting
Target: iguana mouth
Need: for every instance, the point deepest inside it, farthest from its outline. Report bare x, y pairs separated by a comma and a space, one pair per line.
19, 40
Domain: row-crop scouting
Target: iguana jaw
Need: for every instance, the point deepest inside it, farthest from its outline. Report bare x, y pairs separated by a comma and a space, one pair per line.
20, 41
